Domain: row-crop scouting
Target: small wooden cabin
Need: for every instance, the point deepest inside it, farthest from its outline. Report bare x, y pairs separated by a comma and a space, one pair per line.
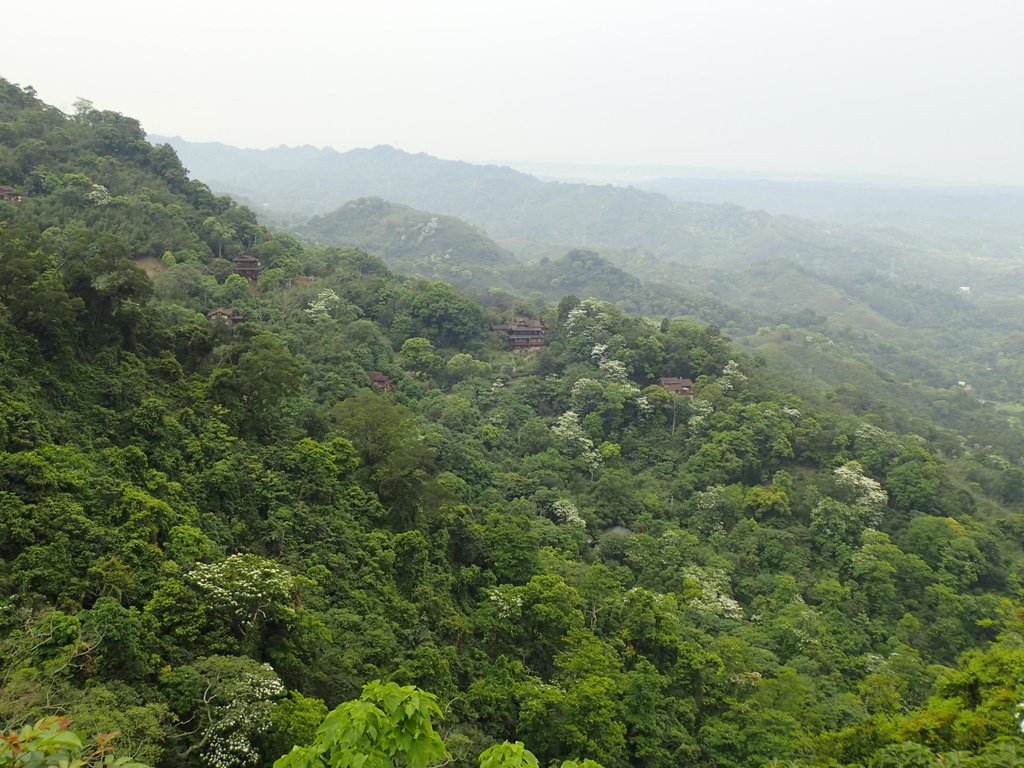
677, 386
523, 333
381, 381
248, 267
8, 194
224, 315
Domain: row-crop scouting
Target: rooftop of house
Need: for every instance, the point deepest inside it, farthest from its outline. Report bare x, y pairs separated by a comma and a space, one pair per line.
381, 380
521, 323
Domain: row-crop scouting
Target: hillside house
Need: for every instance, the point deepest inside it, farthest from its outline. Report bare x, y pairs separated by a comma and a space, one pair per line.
523, 333
677, 386
8, 194
224, 315
248, 267
381, 381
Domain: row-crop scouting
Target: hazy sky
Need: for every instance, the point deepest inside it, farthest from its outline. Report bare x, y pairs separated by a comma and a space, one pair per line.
931, 89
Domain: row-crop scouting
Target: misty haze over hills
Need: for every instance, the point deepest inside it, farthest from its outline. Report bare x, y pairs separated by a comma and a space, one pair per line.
531, 217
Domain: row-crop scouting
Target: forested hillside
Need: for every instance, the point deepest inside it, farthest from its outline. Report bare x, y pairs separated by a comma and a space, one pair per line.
212, 532
437, 247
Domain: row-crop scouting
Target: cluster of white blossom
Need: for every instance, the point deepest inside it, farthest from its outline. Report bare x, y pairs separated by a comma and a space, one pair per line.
643, 405
230, 735
802, 622
878, 439
580, 387
428, 229
567, 513
99, 195
700, 411
598, 353
866, 492
996, 461
714, 597
320, 308
507, 602
873, 661
731, 376
615, 370
246, 585
1020, 716
711, 509
568, 429
588, 321
229, 750
793, 413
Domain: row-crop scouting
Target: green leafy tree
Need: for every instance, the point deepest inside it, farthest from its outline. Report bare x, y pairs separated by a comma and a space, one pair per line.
50, 744
388, 726
420, 357
444, 317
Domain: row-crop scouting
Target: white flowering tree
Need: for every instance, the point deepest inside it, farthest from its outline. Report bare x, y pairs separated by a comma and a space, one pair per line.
861, 491
574, 442
226, 703
320, 308
232, 606
713, 595
240, 596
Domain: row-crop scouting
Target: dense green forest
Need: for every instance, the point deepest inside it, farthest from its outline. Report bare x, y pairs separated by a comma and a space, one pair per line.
211, 533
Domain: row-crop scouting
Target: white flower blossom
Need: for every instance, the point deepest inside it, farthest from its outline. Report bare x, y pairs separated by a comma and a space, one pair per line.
568, 428
731, 376
615, 369
643, 405
866, 492
320, 308
248, 586
700, 410
507, 602
715, 597
99, 195
567, 513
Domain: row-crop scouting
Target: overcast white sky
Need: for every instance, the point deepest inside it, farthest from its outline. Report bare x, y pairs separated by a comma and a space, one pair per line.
930, 89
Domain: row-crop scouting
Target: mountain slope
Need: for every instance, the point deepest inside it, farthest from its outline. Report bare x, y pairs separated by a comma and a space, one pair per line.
439, 247
210, 533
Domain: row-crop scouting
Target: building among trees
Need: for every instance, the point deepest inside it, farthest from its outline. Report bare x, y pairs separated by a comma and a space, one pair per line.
677, 386
523, 333
248, 267
381, 381
224, 315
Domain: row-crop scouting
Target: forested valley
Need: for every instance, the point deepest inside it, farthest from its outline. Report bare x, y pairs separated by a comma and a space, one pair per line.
224, 541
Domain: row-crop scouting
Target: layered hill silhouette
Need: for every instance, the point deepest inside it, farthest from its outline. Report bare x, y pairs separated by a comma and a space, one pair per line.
529, 216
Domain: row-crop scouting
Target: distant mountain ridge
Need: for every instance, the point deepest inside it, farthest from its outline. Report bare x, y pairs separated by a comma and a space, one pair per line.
699, 221
511, 206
